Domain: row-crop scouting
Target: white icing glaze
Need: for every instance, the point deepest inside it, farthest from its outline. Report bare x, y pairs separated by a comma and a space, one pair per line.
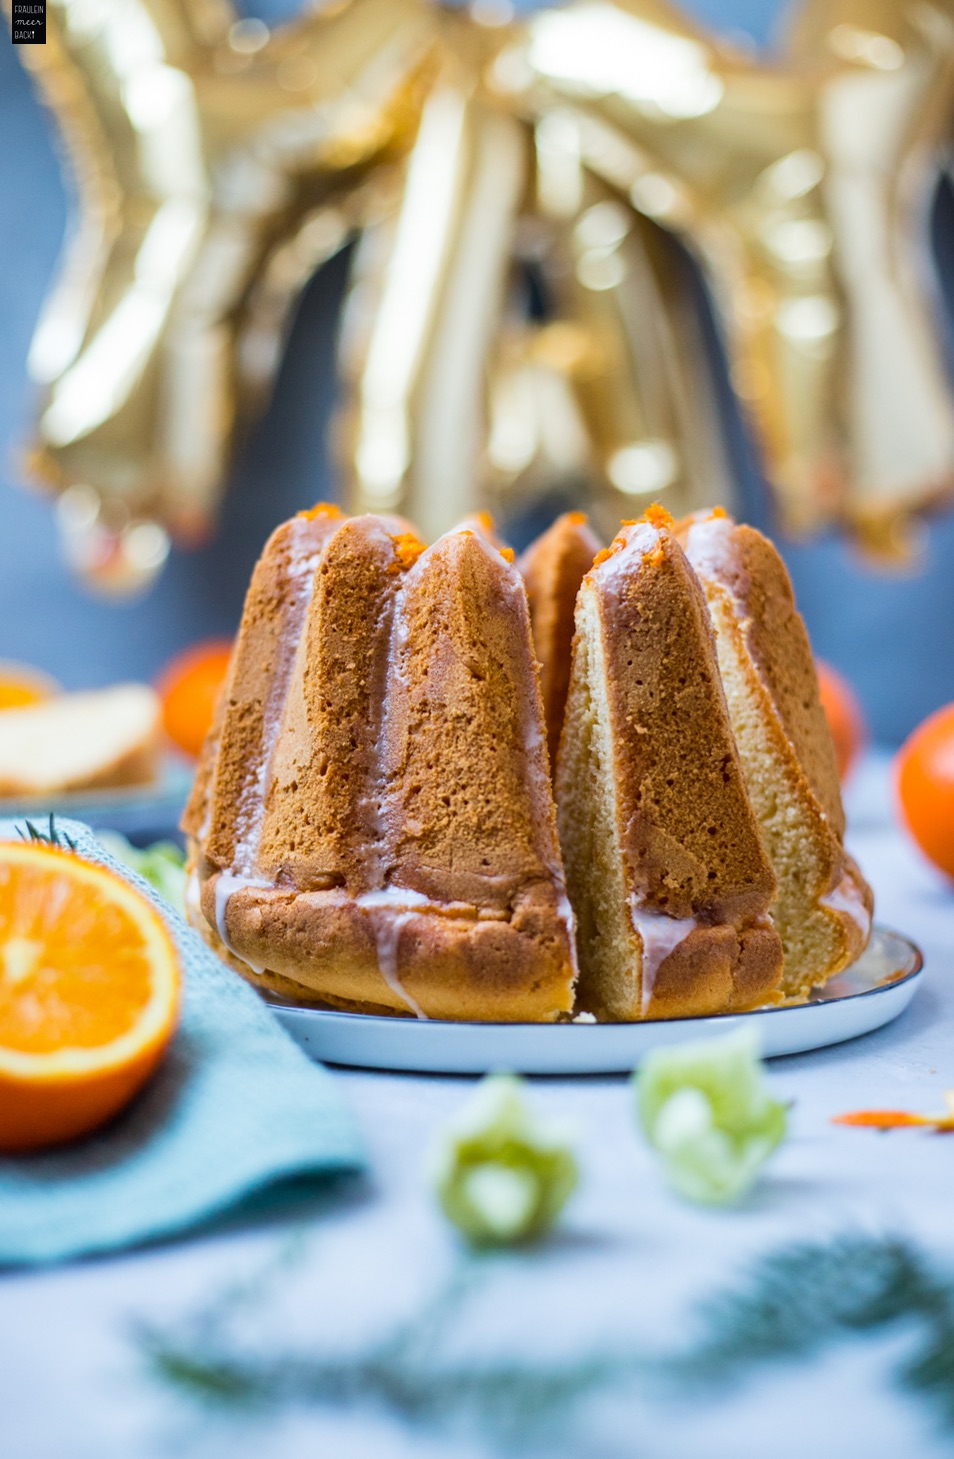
398, 899
659, 935
847, 897
709, 546
229, 882
639, 539
398, 903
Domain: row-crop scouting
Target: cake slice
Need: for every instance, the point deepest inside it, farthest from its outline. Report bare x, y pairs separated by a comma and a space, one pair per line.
97, 740
823, 907
553, 567
390, 844
667, 873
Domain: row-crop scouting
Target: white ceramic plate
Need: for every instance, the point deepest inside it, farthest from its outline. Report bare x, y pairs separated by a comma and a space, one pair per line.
872, 992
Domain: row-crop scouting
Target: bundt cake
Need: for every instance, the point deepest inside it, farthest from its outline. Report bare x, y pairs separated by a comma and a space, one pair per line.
665, 865
372, 824
553, 567
823, 905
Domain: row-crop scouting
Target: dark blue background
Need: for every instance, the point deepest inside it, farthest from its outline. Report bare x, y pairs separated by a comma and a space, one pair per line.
893, 636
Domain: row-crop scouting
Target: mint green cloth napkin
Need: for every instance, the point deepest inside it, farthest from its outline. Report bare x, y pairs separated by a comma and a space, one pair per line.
234, 1108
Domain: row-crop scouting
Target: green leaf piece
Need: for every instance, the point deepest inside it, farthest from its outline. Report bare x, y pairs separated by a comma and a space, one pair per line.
502, 1175
162, 865
706, 1108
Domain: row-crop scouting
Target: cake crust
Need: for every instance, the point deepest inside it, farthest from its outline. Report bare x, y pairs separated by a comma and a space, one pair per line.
553, 567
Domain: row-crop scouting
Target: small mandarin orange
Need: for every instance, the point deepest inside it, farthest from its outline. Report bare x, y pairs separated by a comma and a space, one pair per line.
924, 780
843, 712
189, 687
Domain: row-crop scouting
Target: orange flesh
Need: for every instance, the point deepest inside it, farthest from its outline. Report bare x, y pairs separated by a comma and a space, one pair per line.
73, 970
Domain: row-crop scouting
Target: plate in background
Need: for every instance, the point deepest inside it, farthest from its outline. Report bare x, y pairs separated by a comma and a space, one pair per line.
869, 994
144, 813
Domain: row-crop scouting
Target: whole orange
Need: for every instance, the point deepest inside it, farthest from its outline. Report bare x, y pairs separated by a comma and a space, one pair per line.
843, 712
189, 687
924, 771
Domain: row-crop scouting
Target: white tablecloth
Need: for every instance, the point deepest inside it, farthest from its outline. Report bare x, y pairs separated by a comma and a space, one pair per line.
628, 1267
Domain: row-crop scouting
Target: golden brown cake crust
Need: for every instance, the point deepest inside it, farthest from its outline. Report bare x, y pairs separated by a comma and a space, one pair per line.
689, 836
647, 746
553, 567
394, 845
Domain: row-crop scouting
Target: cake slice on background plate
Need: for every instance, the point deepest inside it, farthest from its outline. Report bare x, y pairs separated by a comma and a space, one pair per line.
553, 567
96, 740
373, 825
667, 872
824, 906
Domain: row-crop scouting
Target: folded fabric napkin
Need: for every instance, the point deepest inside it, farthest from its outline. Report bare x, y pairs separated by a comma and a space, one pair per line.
234, 1108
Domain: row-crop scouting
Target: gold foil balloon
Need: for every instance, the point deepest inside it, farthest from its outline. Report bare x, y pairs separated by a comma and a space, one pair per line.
629, 332
217, 165
456, 397
803, 189
425, 306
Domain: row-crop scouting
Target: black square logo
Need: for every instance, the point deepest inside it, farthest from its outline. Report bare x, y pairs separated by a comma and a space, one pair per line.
28, 18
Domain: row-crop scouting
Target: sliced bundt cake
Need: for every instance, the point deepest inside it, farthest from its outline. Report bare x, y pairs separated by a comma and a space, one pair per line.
666, 869
823, 905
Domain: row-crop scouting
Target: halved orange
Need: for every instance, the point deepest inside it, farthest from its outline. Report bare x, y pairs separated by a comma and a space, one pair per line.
21, 685
89, 994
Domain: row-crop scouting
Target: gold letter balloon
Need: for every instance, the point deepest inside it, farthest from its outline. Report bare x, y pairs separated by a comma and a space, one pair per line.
522, 320
217, 165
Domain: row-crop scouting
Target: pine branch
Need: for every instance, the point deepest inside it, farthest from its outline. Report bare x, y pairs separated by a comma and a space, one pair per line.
793, 1304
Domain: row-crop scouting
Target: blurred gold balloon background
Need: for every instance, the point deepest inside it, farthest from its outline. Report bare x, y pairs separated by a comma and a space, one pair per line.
521, 322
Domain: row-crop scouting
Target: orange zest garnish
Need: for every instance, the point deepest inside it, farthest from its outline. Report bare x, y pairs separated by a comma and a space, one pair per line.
657, 516
321, 509
507, 553
189, 686
898, 1119
407, 549
578, 519
486, 521
717, 514
89, 994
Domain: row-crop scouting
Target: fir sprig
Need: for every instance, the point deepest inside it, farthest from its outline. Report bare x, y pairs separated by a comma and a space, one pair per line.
802, 1299
402, 1373
52, 836
792, 1304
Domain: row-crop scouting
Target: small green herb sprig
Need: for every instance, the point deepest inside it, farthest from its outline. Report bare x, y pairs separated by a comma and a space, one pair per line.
52, 836
792, 1305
